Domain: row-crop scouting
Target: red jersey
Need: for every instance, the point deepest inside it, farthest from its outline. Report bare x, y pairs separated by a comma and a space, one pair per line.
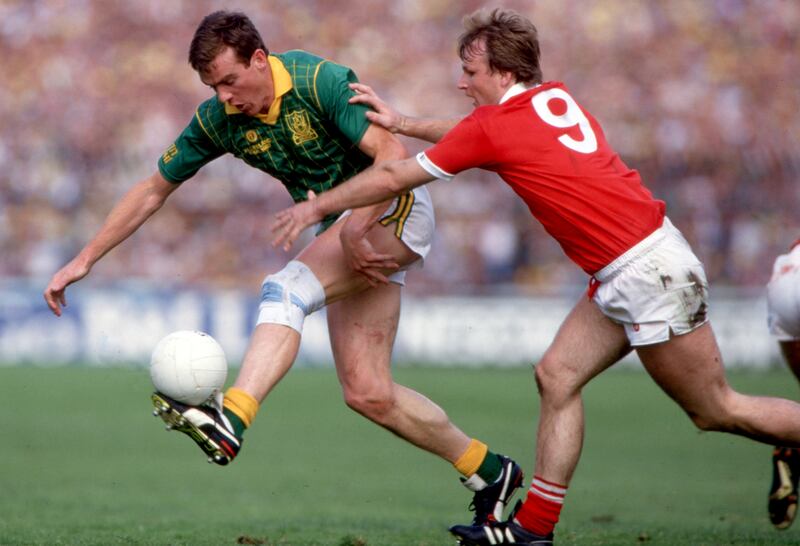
554, 155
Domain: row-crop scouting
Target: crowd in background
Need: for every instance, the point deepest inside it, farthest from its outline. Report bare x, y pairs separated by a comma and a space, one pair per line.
701, 97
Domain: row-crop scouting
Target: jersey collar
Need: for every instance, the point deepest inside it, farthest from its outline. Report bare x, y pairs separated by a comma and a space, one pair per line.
282, 82
515, 90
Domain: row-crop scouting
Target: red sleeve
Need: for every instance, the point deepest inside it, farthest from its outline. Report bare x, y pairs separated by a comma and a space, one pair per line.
464, 147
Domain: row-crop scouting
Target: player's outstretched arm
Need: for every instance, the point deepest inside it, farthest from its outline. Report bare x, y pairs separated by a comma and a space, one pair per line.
130, 212
376, 184
430, 130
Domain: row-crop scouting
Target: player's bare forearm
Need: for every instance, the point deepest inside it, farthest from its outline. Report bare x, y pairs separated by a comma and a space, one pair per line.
128, 214
359, 252
430, 130
376, 184
382, 146
133, 210
361, 220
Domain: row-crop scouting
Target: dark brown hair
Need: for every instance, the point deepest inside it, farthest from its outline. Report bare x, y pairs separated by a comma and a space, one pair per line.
512, 42
223, 29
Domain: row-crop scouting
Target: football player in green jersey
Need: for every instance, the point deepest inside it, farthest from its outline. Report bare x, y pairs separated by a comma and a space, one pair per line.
289, 115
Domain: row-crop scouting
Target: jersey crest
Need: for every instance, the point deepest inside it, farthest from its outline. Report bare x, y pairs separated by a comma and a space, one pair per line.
300, 126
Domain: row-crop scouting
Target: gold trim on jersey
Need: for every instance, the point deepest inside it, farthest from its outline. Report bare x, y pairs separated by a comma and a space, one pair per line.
314, 84
400, 213
200, 121
282, 84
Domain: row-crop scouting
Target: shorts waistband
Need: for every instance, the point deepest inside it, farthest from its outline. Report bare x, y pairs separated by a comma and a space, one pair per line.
639, 249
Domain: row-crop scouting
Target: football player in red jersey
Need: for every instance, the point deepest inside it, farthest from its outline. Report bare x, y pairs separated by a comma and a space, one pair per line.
647, 291
783, 316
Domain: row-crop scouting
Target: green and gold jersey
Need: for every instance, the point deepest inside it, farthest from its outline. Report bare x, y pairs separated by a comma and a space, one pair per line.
308, 140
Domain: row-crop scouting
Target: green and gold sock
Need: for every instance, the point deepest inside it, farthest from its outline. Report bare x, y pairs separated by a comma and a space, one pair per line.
477, 459
240, 408
238, 425
490, 468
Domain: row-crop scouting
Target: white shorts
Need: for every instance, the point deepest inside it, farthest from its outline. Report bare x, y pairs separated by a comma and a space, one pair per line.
783, 297
656, 287
412, 217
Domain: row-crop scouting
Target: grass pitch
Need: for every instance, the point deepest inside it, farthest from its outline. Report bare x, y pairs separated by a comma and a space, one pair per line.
83, 462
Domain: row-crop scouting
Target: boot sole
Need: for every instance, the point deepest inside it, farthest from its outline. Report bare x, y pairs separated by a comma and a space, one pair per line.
175, 421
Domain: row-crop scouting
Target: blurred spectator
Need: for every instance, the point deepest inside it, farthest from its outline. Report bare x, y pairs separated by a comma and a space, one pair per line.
701, 97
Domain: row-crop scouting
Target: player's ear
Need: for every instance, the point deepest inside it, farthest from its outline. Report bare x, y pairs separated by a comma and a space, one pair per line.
259, 59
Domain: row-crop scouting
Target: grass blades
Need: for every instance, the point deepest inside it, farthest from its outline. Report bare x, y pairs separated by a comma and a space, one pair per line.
83, 462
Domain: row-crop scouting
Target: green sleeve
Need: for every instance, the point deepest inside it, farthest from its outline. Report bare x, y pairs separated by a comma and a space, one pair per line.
333, 93
193, 148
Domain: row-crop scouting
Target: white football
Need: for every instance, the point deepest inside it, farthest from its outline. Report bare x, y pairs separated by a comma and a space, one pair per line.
188, 366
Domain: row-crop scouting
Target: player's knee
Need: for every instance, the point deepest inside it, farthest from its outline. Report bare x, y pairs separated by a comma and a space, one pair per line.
716, 414
553, 379
290, 295
710, 422
540, 377
374, 403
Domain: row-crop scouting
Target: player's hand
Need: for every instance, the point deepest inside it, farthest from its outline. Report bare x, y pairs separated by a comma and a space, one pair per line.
383, 114
289, 223
55, 293
362, 257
